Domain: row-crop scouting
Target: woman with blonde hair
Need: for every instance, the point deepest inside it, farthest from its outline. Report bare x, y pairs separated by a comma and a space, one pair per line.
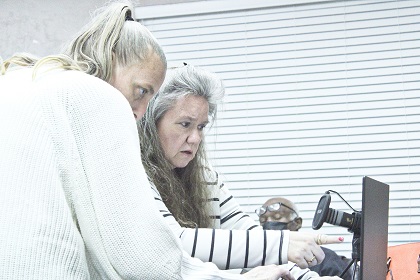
74, 197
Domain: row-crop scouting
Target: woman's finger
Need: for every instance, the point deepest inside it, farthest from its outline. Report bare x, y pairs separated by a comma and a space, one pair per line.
322, 239
269, 272
312, 261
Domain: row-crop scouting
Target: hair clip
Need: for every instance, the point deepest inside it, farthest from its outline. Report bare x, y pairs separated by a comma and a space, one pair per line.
177, 65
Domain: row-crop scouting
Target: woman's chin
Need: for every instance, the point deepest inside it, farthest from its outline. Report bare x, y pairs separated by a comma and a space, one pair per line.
180, 164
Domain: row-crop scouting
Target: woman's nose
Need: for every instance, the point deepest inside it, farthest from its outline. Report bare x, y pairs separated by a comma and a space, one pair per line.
138, 113
194, 137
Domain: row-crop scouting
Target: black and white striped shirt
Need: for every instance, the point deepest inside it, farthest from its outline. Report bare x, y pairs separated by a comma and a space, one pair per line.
236, 240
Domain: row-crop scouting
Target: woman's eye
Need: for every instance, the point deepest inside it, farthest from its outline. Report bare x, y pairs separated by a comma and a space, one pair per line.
142, 91
185, 124
201, 127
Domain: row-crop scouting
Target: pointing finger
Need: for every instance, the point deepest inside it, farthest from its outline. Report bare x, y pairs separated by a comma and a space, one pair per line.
322, 239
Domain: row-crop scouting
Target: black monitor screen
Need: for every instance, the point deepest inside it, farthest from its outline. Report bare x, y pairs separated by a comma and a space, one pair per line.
374, 230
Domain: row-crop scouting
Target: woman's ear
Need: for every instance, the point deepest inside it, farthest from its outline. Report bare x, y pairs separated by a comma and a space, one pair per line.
296, 224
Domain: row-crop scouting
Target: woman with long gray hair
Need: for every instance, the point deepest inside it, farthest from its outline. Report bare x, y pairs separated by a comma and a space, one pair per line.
194, 202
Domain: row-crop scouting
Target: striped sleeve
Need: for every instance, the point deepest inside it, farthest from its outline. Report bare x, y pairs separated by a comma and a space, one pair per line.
225, 211
301, 274
232, 248
229, 211
232, 217
194, 269
229, 248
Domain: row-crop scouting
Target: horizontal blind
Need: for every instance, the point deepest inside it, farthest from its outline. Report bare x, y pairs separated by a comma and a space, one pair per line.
319, 94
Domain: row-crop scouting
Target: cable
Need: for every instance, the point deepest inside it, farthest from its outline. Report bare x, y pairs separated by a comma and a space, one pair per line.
343, 200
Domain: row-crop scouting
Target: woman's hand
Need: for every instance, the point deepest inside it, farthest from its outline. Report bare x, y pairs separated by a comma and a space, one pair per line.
304, 249
269, 272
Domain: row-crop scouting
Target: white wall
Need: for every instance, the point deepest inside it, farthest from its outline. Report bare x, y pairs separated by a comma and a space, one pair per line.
41, 27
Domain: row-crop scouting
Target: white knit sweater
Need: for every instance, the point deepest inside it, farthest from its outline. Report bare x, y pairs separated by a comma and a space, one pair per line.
75, 202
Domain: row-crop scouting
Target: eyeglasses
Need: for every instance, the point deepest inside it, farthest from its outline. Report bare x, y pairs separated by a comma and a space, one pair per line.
271, 208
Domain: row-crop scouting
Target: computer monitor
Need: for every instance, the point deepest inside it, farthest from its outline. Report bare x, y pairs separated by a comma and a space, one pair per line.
374, 230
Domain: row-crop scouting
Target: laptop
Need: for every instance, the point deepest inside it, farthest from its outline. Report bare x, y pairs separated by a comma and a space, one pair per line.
374, 230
